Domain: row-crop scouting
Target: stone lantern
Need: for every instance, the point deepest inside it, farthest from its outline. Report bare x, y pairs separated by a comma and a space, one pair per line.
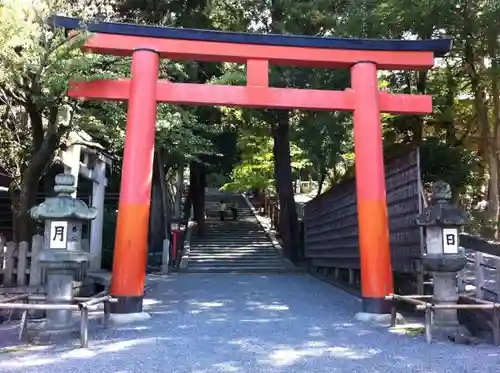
62, 255
443, 256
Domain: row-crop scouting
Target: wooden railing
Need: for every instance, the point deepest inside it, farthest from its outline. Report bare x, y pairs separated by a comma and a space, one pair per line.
269, 206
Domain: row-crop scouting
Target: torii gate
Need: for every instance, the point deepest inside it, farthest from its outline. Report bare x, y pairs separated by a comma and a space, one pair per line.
147, 44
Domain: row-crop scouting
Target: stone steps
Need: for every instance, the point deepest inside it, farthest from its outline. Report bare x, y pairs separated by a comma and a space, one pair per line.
194, 253
240, 246
239, 269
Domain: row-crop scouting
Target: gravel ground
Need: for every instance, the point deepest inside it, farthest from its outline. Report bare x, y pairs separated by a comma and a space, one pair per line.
249, 323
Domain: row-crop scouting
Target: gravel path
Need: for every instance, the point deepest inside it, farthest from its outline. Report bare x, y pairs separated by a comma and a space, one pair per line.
251, 323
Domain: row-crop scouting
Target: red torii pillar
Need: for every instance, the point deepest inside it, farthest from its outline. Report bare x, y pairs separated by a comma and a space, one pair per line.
147, 44
373, 227
132, 226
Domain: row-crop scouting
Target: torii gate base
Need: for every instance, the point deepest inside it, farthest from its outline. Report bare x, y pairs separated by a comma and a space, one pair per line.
147, 45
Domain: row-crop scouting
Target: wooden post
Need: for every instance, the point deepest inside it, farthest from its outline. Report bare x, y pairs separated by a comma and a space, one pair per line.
460, 281
497, 278
351, 276
166, 256
9, 263
179, 191
35, 270
22, 262
3, 250
479, 272
336, 273
96, 225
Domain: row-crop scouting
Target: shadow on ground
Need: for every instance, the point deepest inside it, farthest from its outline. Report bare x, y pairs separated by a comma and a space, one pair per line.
250, 323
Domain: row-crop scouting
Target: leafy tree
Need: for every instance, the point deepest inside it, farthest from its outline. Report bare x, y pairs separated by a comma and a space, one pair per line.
36, 62
256, 168
325, 137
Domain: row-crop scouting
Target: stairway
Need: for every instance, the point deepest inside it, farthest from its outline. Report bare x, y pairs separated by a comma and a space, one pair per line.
233, 246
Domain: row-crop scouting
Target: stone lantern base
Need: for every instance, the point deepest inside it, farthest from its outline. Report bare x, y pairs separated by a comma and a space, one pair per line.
444, 269
60, 267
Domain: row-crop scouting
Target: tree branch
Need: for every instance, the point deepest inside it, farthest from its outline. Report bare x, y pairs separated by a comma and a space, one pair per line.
36, 122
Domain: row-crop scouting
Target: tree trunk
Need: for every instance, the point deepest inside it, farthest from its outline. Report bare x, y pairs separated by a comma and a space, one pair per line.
197, 190
322, 177
495, 137
179, 190
417, 123
24, 225
156, 216
289, 226
488, 140
494, 198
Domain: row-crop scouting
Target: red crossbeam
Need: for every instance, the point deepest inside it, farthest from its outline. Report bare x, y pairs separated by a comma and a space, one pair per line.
194, 50
253, 97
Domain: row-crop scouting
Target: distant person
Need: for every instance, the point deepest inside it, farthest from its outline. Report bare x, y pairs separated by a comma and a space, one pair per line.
222, 210
234, 210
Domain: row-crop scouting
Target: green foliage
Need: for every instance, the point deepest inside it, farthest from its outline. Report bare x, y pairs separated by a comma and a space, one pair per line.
325, 137
457, 166
256, 169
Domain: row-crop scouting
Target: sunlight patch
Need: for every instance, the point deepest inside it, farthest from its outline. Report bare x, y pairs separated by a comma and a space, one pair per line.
207, 304
28, 361
133, 328
78, 353
317, 344
229, 366
19, 349
150, 302
413, 330
252, 345
260, 321
122, 345
274, 307
291, 356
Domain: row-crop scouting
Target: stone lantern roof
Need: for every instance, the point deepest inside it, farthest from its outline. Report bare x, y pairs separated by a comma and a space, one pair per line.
63, 206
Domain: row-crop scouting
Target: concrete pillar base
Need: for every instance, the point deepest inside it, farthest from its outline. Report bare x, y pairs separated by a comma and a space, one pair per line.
117, 319
381, 319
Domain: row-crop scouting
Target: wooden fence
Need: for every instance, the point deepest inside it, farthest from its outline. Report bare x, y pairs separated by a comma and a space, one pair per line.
18, 262
19, 265
482, 273
271, 208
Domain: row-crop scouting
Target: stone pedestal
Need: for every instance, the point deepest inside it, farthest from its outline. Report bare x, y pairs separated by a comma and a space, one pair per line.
444, 270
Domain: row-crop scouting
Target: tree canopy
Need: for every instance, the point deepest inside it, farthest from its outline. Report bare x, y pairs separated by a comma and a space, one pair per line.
460, 140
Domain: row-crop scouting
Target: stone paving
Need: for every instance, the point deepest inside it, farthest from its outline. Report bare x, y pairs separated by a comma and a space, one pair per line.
249, 323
